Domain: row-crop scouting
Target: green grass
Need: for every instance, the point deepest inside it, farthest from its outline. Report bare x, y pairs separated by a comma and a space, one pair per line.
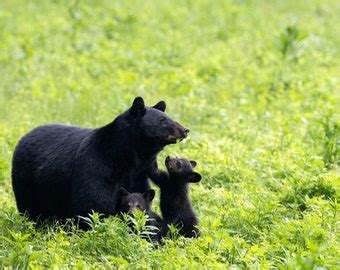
257, 83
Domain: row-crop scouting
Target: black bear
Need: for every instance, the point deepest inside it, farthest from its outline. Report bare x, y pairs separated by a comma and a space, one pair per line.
65, 171
129, 202
174, 200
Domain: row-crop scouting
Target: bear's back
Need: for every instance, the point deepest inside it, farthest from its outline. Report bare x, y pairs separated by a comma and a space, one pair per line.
48, 146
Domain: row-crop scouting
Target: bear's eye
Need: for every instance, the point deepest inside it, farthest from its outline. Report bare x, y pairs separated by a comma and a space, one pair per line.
163, 119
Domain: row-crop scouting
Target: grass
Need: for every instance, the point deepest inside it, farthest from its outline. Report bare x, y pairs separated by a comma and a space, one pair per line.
257, 82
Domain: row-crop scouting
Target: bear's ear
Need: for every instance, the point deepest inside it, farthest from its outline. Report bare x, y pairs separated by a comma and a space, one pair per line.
194, 177
193, 163
149, 195
161, 106
123, 192
138, 107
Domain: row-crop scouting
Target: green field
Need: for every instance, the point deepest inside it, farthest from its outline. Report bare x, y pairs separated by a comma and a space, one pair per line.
257, 83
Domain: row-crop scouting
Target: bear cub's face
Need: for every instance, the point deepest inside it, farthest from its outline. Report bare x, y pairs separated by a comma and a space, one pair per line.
130, 202
182, 169
154, 124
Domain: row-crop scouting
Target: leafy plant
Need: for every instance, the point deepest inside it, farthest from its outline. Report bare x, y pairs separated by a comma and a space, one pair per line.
331, 140
290, 44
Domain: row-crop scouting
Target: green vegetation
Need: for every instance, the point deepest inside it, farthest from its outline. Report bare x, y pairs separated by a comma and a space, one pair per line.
257, 82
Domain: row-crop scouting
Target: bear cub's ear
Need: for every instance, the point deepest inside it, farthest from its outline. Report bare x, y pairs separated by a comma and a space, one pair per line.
138, 107
161, 106
194, 177
149, 195
123, 192
193, 163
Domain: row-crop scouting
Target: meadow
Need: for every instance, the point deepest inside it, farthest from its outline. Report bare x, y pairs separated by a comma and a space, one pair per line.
257, 83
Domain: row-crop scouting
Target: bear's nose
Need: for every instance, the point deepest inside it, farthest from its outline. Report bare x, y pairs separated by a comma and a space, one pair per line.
186, 131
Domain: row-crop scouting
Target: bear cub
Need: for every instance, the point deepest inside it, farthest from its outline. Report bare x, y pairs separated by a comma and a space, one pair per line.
130, 202
174, 199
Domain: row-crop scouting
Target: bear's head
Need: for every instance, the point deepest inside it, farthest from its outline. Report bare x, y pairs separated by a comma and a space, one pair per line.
130, 202
152, 124
182, 170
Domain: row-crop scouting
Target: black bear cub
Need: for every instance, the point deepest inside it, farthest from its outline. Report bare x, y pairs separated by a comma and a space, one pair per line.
129, 202
174, 200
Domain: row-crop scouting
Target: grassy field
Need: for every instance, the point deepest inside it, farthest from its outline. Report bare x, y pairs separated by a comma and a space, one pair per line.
257, 83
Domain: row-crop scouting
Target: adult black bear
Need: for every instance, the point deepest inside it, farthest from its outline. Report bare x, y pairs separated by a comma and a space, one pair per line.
64, 171
175, 203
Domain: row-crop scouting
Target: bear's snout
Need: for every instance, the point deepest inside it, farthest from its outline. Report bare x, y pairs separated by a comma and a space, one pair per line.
186, 131
180, 132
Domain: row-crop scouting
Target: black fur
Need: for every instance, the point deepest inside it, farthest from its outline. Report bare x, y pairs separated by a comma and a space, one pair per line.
174, 201
129, 202
65, 171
